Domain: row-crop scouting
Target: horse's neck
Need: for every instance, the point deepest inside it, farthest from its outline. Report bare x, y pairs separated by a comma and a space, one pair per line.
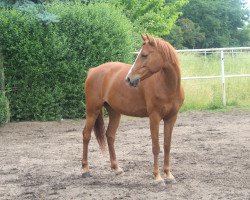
172, 78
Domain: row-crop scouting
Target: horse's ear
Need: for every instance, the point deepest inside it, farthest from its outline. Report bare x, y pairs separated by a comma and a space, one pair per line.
144, 37
151, 40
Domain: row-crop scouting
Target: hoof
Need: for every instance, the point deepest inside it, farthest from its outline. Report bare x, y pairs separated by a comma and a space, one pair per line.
160, 183
118, 171
86, 175
169, 179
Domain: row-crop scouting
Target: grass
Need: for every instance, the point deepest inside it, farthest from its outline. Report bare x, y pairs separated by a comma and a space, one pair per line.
206, 94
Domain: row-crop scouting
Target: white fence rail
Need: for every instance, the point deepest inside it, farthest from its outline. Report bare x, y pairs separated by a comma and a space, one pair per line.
229, 49
222, 76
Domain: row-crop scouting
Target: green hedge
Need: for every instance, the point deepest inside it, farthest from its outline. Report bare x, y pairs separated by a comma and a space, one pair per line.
4, 109
46, 64
4, 106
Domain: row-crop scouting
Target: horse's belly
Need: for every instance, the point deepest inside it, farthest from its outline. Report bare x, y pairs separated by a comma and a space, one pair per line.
126, 100
129, 108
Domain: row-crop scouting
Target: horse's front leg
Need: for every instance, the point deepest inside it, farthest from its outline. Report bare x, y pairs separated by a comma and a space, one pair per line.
168, 128
154, 128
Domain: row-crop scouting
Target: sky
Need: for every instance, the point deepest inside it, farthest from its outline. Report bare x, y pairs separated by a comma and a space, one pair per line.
248, 3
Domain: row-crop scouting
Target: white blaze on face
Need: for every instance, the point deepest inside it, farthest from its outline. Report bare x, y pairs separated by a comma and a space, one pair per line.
134, 63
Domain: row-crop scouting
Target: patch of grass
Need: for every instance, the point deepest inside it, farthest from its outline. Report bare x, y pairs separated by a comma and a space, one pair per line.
206, 94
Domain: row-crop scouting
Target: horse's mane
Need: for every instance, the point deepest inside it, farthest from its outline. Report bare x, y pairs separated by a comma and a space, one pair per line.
168, 51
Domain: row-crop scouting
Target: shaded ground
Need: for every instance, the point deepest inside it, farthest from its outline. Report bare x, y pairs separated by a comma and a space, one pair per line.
210, 160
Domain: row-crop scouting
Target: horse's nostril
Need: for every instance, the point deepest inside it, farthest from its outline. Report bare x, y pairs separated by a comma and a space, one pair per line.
128, 79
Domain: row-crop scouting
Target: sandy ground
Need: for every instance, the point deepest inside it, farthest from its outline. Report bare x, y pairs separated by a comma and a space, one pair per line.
210, 160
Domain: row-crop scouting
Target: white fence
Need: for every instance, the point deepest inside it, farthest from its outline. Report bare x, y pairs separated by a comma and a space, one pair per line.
222, 76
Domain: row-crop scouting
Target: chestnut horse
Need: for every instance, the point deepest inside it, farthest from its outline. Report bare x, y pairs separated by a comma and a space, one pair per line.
151, 87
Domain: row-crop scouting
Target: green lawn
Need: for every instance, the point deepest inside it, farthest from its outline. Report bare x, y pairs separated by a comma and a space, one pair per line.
207, 93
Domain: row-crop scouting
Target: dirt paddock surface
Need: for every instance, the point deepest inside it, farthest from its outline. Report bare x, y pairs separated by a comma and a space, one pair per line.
210, 160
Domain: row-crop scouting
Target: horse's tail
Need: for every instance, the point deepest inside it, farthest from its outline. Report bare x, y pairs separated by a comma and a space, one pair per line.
99, 130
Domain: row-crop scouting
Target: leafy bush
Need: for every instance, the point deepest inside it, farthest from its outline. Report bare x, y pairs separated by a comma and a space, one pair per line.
4, 108
46, 63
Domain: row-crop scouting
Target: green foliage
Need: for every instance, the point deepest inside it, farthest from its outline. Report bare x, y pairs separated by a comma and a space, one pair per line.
155, 17
4, 109
4, 106
46, 64
186, 34
219, 20
244, 35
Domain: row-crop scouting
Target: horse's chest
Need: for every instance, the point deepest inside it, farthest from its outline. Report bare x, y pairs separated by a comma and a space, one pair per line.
163, 106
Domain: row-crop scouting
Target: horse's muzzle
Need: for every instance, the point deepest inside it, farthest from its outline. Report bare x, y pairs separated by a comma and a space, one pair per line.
133, 82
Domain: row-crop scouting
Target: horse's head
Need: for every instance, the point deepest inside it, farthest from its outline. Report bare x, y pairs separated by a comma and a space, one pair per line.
149, 61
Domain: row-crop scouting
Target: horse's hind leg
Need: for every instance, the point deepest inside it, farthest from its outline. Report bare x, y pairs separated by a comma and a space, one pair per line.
89, 124
114, 119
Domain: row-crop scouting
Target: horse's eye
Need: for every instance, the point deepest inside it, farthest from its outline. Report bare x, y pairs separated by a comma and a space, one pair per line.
144, 55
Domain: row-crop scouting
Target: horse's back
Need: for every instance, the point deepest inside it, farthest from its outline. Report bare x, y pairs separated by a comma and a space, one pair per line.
100, 71
110, 66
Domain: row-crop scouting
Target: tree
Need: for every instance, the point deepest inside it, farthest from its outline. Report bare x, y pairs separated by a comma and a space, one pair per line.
244, 36
176, 37
186, 34
219, 20
156, 17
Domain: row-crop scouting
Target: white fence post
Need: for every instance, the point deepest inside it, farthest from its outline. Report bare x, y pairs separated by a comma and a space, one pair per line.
223, 78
